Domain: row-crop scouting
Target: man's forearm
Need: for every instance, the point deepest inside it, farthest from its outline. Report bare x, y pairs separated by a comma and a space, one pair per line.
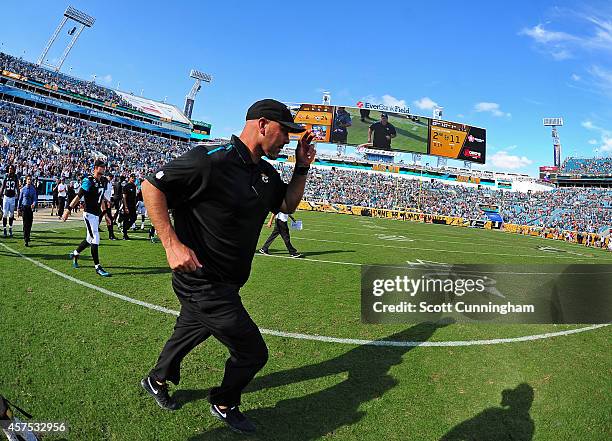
157, 209
73, 203
295, 191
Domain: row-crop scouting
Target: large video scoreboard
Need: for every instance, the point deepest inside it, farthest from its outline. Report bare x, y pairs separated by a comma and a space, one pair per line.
391, 131
200, 131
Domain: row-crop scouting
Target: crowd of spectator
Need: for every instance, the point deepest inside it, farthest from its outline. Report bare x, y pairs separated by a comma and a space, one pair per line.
588, 166
61, 81
587, 210
45, 144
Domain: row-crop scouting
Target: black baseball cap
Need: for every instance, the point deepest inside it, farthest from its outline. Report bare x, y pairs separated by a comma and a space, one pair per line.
274, 111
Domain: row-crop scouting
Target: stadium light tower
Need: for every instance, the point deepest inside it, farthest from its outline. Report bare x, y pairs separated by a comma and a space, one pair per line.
554, 123
437, 112
69, 14
190, 98
326, 100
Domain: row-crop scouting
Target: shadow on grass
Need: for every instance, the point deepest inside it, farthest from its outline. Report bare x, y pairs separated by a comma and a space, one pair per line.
511, 421
363, 376
310, 253
322, 253
138, 269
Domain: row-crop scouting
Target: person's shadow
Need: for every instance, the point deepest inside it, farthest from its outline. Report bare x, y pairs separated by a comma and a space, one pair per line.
362, 375
509, 422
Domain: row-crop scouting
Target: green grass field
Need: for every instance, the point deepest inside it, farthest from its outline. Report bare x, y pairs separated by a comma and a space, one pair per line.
73, 353
411, 136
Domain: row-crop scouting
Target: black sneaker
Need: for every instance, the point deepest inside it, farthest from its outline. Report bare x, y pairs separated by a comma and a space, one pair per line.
126, 237
296, 255
234, 419
262, 251
160, 393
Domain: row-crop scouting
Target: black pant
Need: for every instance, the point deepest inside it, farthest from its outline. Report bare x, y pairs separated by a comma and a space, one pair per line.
129, 219
28, 219
61, 205
216, 311
281, 228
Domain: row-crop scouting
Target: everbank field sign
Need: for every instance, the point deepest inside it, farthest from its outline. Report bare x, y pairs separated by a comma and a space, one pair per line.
382, 107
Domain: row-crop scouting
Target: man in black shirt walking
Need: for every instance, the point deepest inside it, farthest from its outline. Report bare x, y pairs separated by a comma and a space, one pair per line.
221, 196
129, 205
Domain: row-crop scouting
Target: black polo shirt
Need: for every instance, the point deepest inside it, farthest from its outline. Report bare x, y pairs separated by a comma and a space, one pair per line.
220, 200
380, 133
130, 190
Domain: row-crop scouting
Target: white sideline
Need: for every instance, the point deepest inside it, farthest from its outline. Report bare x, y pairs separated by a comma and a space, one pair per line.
323, 338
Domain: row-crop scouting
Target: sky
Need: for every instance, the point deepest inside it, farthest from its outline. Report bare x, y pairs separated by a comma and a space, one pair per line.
499, 65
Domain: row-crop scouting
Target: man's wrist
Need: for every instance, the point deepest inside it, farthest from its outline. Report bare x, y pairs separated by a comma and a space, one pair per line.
301, 169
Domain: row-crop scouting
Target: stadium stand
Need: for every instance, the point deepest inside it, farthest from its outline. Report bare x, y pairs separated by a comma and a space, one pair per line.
574, 209
59, 80
587, 166
45, 144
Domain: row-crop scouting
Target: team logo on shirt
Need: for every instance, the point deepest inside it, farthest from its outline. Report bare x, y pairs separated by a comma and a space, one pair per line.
159, 174
265, 178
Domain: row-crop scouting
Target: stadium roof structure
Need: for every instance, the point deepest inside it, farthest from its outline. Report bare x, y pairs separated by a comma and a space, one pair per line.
157, 108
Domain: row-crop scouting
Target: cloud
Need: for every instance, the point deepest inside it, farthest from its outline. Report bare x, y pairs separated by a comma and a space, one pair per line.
391, 101
532, 101
562, 45
503, 160
575, 77
562, 54
606, 145
543, 36
590, 126
492, 108
425, 103
602, 78
605, 142
387, 100
107, 78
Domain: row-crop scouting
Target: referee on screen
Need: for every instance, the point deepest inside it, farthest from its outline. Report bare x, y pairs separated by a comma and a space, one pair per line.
221, 196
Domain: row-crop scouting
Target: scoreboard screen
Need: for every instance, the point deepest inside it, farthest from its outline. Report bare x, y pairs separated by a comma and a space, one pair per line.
201, 130
457, 141
391, 131
316, 118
